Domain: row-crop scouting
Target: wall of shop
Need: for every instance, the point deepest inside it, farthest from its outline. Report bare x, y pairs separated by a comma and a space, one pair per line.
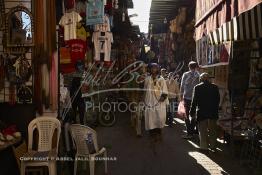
5, 91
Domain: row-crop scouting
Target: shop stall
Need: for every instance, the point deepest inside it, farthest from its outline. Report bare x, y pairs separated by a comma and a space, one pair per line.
98, 43
17, 107
229, 48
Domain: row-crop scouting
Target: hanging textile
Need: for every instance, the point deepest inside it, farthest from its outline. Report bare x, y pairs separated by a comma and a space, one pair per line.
77, 49
69, 22
95, 12
105, 26
81, 32
81, 8
102, 42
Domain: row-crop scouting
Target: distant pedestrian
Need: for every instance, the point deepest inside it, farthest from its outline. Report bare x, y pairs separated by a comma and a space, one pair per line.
205, 104
163, 73
173, 97
189, 80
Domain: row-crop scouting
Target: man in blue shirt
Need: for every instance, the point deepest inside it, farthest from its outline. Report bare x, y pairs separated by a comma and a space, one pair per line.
189, 80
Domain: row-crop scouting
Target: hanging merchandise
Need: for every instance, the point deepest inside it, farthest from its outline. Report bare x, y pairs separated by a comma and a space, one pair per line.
23, 69
69, 22
95, 12
102, 42
24, 94
182, 16
77, 48
226, 111
253, 103
81, 32
65, 57
255, 76
70, 4
81, 8
105, 26
10, 68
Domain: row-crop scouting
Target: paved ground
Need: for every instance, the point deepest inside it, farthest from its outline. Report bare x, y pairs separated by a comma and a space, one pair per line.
174, 156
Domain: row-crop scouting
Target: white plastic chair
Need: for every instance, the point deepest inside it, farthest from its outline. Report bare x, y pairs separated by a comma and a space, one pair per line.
79, 134
46, 127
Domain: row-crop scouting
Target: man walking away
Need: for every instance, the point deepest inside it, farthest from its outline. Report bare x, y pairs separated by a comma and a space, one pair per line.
205, 103
189, 80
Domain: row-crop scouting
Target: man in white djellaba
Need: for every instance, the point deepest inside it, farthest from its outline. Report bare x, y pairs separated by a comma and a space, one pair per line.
155, 102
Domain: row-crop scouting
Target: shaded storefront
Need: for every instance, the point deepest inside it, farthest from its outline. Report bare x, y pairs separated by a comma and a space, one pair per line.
228, 45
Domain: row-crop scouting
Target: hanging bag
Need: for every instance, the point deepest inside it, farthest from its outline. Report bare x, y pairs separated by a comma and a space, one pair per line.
181, 111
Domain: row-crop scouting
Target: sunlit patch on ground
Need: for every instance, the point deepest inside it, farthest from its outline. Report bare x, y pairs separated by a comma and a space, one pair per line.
210, 166
179, 121
193, 144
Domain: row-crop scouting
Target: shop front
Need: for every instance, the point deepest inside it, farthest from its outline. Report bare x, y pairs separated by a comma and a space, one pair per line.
228, 46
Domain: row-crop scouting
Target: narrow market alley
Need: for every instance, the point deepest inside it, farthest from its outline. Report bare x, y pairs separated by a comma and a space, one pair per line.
135, 156
130, 87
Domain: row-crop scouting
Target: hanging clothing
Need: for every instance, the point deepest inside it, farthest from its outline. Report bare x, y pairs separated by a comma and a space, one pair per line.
65, 56
94, 12
69, 22
102, 42
81, 33
78, 50
105, 26
155, 110
81, 8
70, 4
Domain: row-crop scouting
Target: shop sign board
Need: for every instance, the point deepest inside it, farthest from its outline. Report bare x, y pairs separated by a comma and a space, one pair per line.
208, 54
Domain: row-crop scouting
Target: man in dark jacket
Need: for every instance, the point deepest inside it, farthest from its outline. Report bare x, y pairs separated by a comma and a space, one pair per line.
205, 103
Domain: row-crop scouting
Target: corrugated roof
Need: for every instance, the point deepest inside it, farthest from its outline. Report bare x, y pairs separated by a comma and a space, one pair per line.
161, 9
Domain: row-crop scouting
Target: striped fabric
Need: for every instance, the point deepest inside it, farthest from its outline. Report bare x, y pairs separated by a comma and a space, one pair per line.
246, 26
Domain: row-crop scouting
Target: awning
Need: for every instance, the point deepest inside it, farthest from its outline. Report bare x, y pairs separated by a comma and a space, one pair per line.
213, 14
246, 26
